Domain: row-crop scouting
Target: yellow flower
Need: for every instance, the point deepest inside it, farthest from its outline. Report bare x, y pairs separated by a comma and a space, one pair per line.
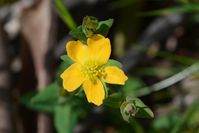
89, 68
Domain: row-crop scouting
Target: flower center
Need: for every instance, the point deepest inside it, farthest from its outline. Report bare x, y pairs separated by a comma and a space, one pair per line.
93, 70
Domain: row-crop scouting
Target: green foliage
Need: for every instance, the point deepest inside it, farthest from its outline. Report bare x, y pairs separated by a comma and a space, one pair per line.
104, 26
65, 118
26, 100
65, 64
131, 86
165, 123
106, 89
79, 34
134, 107
67, 59
48, 95
51, 100
189, 119
178, 122
114, 100
84, 31
89, 25
64, 14
136, 126
112, 62
45, 101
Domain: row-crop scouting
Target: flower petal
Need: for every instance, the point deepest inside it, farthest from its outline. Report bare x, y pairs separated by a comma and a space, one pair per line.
77, 51
72, 77
115, 75
94, 91
100, 48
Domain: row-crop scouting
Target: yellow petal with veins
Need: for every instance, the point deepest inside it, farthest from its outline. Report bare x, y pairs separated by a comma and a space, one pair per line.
94, 91
77, 51
114, 75
99, 48
72, 77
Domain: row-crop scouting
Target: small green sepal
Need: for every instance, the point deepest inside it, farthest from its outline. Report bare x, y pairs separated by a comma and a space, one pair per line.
134, 107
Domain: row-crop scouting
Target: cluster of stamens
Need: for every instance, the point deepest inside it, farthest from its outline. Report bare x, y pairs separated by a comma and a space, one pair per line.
92, 70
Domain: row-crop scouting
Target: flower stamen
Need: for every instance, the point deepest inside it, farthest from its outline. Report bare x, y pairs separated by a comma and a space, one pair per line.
92, 70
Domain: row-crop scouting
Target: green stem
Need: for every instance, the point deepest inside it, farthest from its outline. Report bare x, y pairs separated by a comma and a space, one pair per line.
136, 125
169, 81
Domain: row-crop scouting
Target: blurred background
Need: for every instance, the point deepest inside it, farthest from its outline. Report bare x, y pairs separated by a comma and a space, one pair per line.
157, 41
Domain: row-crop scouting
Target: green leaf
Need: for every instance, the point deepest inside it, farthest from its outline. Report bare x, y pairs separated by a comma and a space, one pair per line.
65, 14
67, 59
134, 107
46, 108
106, 89
114, 100
79, 34
112, 62
43, 101
49, 95
143, 110
108, 23
80, 92
90, 28
26, 100
104, 26
65, 118
64, 65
